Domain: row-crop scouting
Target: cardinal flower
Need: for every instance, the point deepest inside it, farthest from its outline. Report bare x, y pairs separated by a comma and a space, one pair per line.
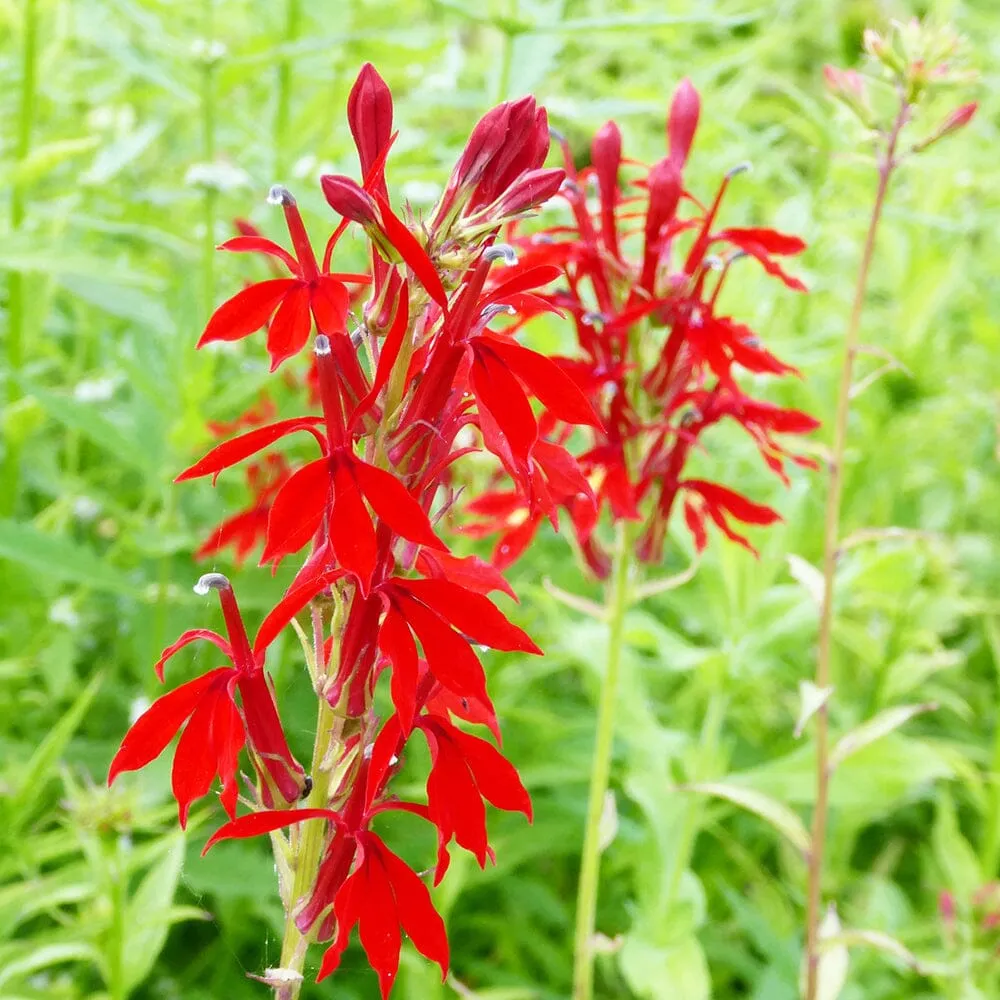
291, 304
218, 725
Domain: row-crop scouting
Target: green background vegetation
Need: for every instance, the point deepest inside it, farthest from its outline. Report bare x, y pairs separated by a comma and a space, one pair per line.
109, 276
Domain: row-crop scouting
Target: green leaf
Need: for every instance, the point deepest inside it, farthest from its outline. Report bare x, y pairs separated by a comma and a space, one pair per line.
874, 729
786, 822
36, 774
88, 419
58, 558
33, 957
149, 914
47, 157
878, 940
954, 854
679, 967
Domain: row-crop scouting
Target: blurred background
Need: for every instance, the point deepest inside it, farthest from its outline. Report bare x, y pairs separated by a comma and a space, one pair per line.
155, 125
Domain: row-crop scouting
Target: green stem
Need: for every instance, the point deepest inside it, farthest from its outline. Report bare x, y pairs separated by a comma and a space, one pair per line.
15, 281
506, 57
305, 863
617, 603
208, 156
831, 551
282, 111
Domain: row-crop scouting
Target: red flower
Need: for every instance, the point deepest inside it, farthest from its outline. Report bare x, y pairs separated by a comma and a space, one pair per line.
209, 746
380, 897
465, 770
294, 302
216, 727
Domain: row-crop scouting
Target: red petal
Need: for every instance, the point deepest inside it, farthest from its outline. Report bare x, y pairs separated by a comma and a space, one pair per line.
264, 822
393, 503
194, 763
258, 244
416, 910
192, 635
473, 614
386, 747
351, 531
289, 330
769, 240
696, 525
330, 301
523, 279
498, 392
449, 657
455, 803
158, 725
236, 450
496, 778
470, 572
390, 351
378, 921
346, 907
290, 605
773, 268
246, 311
297, 511
412, 253
742, 508
556, 390
397, 643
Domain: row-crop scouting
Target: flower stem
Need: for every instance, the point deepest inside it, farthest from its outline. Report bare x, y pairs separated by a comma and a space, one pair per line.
15, 281
831, 545
293, 15
208, 155
617, 603
308, 855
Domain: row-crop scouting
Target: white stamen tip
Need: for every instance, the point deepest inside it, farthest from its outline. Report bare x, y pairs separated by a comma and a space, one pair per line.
211, 581
321, 348
279, 195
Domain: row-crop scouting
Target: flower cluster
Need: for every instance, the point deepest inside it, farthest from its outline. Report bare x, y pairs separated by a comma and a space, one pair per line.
643, 263
403, 390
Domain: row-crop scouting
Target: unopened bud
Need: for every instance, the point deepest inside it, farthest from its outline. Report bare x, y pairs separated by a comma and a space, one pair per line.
369, 113
683, 121
347, 198
532, 189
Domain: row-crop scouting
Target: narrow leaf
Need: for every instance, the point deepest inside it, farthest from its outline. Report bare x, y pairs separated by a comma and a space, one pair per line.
777, 814
874, 729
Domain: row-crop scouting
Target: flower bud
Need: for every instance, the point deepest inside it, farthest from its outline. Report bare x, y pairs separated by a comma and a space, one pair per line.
958, 119
369, 112
532, 189
683, 121
347, 198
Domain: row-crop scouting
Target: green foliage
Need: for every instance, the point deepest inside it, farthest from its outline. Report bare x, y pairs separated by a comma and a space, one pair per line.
109, 275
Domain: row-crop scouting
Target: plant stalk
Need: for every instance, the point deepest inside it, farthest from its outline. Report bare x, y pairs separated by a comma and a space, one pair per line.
617, 603
15, 281
282, 111
831, 544
208, 155
306, 860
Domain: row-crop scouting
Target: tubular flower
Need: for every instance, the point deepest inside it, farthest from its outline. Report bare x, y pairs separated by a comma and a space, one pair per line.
656, 356
432, 371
